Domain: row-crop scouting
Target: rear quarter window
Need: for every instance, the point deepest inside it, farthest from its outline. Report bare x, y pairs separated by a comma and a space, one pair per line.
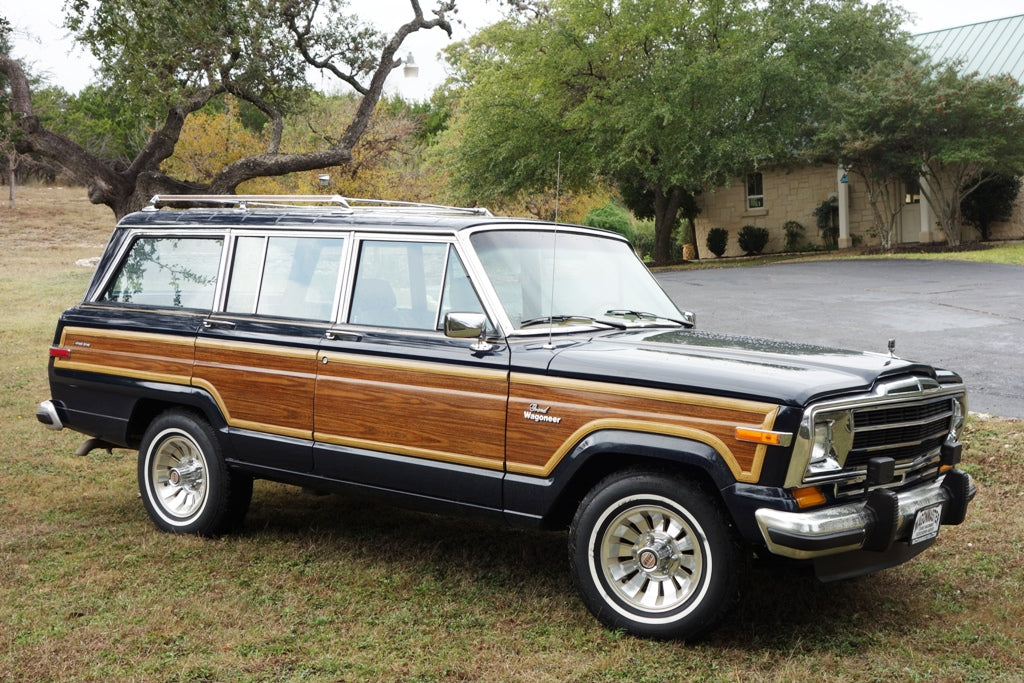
167, 272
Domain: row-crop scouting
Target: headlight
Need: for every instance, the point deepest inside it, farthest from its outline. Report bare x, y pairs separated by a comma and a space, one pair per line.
832, 440
957, 421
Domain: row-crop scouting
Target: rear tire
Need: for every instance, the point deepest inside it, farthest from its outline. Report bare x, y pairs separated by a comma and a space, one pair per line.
184, 481
653, 554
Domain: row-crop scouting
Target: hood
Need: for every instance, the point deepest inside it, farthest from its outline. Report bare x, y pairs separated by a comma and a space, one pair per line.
740, 367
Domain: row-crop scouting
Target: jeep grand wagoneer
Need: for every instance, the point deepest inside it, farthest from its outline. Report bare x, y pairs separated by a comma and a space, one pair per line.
529, 372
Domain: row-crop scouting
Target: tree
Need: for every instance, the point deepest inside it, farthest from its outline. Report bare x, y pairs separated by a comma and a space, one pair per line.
992, 202
872, 132
8, 128
98, 117
663, 98
210, 140
972, 128
894, 123
167, 60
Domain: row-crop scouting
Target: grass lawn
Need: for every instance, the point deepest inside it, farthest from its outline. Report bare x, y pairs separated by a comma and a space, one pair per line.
323, 588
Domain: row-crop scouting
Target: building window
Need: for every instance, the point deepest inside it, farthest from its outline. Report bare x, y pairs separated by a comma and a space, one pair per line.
755, 191
913, 195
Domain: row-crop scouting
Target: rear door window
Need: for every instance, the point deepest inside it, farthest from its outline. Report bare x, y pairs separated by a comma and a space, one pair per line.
287, 277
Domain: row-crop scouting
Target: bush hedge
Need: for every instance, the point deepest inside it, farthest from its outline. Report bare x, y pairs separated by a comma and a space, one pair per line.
718, 240
752, 239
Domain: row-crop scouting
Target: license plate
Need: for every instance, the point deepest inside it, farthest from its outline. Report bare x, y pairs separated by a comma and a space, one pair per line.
926, 524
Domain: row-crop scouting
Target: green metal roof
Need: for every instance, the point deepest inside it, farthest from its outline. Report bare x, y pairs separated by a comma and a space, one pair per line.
988, 47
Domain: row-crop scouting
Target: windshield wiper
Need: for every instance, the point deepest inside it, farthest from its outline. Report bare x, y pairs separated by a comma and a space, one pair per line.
554, 319
644, 315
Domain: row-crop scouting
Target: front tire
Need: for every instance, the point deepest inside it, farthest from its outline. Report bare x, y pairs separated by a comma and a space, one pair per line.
185, 484
652, 554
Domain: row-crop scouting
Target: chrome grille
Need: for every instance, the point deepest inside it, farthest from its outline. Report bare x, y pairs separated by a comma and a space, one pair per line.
910, 434
907, 419
902, 432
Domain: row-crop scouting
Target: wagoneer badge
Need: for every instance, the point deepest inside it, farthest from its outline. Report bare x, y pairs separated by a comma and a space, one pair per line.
538, 414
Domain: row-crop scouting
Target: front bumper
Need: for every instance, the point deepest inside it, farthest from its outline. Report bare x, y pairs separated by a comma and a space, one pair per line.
874, 524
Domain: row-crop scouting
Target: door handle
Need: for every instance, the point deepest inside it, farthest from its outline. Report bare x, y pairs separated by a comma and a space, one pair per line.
218, 324
342, 336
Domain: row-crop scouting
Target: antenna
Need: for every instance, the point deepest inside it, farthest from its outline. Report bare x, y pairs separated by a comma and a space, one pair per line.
554, 255
551, 299
558, 185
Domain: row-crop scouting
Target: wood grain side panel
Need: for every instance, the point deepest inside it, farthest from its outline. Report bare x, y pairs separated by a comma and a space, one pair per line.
547, 417
156, 357
448, 413
264, 387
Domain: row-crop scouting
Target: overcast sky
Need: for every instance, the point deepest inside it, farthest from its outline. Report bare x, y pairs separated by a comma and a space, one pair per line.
40, 40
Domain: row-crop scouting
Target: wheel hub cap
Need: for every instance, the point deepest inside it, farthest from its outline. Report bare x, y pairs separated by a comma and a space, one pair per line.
186, 474
654, 554
651, 558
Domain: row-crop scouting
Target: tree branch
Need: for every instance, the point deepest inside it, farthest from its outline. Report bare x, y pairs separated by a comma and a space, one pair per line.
102, 181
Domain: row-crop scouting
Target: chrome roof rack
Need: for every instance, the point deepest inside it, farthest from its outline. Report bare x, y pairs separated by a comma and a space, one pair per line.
280, 201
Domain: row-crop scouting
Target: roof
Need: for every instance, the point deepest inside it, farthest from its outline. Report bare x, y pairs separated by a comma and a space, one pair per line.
988, 47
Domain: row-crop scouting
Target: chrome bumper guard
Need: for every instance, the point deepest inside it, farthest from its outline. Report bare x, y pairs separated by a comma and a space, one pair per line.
47, 414
873, 524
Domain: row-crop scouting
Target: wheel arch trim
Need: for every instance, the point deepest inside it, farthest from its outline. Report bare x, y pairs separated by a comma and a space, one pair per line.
554, 498
580, 441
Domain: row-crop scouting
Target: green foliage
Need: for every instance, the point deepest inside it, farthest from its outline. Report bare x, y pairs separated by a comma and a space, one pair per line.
643, 242
662, 97
97, 118
5, 36
8, 130
717, 241
160, 61
752, 239
794, 235
156, 53
894, 122
991, 202
611, 217
431, 116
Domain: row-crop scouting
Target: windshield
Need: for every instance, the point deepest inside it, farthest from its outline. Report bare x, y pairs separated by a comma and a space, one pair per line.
564, 278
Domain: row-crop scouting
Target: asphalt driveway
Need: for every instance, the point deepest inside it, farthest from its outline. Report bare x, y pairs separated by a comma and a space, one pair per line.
967, 317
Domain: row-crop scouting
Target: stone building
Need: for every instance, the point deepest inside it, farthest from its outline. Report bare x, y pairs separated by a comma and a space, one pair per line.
769, 198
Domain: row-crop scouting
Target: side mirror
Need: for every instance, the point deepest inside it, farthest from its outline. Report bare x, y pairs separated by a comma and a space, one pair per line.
689, 319
468, 326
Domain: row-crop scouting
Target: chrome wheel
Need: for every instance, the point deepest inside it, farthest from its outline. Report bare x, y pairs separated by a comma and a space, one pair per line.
184, 480
178, 475
653, 553
651, 557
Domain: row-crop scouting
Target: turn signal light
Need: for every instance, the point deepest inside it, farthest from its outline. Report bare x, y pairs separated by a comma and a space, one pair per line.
765, 436
808, 496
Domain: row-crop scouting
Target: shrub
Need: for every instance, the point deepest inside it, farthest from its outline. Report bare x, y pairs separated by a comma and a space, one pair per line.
753, 239
644, 240
612, 217
991, 202
794, 235
826, 215
718, 239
